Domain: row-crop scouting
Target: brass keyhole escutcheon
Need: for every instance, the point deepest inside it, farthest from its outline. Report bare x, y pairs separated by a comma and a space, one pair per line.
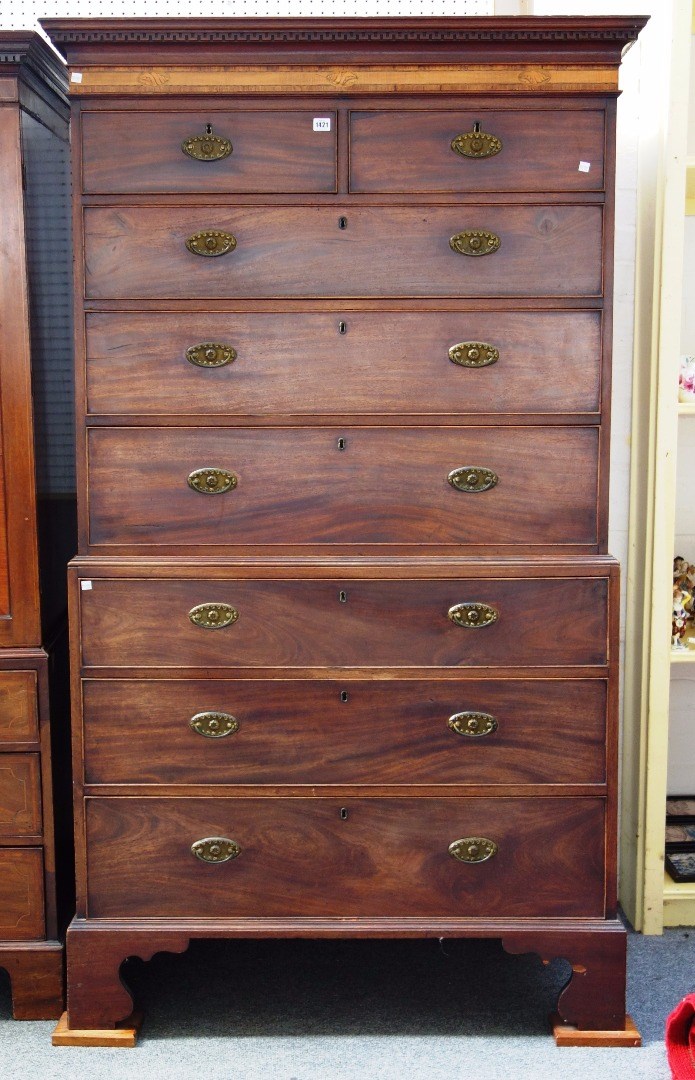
342, 596
342, 223
343, 695
342, 327
343, 813
342, 443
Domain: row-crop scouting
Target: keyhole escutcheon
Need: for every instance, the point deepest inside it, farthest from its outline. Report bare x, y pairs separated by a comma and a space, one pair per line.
343, 813
342, 223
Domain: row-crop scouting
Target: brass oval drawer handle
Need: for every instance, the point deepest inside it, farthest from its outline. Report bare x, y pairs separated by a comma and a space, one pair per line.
213, 616
207, 147
211, 242
214, 725
473, 354
473, 849
473, 724
210, 354
476, 144
211, 481
475, 242
473, 616
215, 849
473, 478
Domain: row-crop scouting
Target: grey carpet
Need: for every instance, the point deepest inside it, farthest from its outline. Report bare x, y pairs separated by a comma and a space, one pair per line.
333, 1010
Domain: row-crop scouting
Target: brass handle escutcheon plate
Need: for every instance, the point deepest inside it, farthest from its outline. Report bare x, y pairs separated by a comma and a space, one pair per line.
473, 849
475, 242
210, 354
207, 147
211, 481
473, 724
473, 478
473, 354
211, 242
213, 616
476, 144
214, 725
473, 616
215, 849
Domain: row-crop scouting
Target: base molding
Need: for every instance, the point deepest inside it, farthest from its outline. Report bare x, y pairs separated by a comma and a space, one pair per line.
36, 978
568, 1035
125, 1034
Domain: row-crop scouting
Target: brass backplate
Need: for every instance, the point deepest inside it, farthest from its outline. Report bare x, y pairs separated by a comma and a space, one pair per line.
215, 849
212, 242
473, 478
473, 616
476, 144
211, 481
214, 725
475, 242
213, 616
207, 147
210, 354
473, 849
473, 354
473, 724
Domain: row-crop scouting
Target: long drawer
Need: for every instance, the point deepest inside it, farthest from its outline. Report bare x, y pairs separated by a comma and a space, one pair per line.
21, 894
299, 251
429, 487
255, 731
356, 857
20, 795
509, 621
344, 362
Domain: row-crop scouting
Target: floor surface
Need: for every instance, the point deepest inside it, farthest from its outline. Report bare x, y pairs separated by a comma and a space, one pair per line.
333, 1010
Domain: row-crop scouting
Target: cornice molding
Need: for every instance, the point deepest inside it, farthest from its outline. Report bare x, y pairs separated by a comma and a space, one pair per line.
25, 54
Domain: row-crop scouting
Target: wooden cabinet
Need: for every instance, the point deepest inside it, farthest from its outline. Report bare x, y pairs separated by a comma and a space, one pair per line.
344, 626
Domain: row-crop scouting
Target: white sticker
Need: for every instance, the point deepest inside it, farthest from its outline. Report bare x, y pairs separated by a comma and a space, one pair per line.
322, 123
85, 586
76, 76
584, 166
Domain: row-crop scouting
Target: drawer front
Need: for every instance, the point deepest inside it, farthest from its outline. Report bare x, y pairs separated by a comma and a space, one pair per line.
301, 732
20, 795
385, 486
19, 720
301, 251
382, 362
300, 857
284, 623
21, 894
538, 150
272, 151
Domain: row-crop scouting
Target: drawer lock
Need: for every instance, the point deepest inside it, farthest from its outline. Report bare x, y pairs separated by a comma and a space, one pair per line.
473, 849
475, 242
213, 616
214, 725
215, 849
210, 481
473, 615
473, 354
476, 143
211, 242
473, 478
210, 354
472, 724
207, 147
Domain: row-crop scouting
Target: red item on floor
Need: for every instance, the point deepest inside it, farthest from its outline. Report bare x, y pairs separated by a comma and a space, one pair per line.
680, 1039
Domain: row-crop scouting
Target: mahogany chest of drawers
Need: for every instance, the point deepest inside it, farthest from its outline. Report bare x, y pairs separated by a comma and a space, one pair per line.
345, 632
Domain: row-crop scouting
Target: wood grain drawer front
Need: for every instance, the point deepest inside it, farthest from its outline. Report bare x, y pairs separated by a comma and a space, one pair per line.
540, 151
272, 151
385, 486
365, 623
21, 894
344, 362
20, 795
19, 720
298, 251
386, 857
302, 732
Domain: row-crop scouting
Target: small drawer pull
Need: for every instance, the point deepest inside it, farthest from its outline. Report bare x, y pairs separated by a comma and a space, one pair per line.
476, 143
215, 849
474, 725
473, 354
210, 354
473, 849
473, 478
213, 616
207, 147
209, 481
214, 725
473, 616
211, 242
475, 242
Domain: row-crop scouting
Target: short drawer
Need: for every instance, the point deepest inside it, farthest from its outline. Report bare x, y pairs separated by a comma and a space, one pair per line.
271, 151
21, 894
19, 720
344, 362
253, 731
20, 795
336, 623
354, 857
383, 486
133, 252
423, 151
